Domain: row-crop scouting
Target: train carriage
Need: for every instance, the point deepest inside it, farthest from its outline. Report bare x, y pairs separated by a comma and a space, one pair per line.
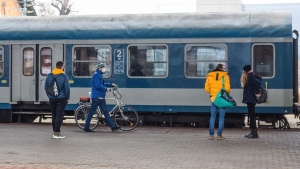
159, 61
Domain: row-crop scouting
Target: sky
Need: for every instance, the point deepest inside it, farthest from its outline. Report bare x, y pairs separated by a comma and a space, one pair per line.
89, 7
150, 6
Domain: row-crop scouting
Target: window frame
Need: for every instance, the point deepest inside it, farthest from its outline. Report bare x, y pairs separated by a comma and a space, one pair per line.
2, 61
41, 60
274, 55
33, 60
204, 45
150, 44
86, 61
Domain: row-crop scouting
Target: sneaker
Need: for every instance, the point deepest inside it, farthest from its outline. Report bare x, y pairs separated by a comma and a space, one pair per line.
220, 137
55, 134
58, 136
88, 130
114, 129
211, 137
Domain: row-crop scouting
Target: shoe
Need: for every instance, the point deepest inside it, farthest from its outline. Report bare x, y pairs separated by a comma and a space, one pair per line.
114, 129
58, 135
253, 134
88, 130
220, 137
249, 133
211, 137
55, 134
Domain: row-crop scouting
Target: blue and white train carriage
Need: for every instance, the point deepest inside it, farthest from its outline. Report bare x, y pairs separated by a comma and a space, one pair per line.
159, 61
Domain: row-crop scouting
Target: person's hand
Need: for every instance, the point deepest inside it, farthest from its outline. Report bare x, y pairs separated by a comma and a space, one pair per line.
257, 95
108, 90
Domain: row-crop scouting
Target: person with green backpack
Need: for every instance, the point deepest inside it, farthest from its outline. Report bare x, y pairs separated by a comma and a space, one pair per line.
213, 85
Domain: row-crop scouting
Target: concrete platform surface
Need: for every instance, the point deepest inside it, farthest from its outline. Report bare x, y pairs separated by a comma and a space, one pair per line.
31, 146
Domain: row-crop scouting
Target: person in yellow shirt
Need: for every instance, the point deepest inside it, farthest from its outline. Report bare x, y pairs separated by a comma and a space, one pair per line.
213, 85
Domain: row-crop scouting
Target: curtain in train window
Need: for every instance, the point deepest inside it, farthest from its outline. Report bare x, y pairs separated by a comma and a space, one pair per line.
148, 61
263, 60
28, 61
85, 59
202, 59
45, 61
1, 61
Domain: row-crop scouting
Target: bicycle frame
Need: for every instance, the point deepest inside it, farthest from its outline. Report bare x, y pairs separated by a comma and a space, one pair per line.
123, 115
117, 97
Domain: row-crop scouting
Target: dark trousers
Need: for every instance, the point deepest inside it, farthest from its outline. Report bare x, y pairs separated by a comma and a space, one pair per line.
251, 115
102, 104
57, 106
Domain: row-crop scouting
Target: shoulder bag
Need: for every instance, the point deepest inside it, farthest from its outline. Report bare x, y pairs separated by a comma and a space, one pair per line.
223, 99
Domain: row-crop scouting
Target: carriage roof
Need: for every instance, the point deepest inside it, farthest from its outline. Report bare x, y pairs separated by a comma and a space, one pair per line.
181, 25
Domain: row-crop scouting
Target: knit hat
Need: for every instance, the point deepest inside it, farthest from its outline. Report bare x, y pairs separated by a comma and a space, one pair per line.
247, 68
100, 65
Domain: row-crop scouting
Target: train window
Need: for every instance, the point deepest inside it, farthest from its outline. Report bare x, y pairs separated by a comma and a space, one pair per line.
85, 59
46, 60
263, 59
147, 60
201, 59
1, 61
28, 61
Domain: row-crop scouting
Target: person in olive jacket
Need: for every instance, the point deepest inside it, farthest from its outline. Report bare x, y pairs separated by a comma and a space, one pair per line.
213, 85
251, 85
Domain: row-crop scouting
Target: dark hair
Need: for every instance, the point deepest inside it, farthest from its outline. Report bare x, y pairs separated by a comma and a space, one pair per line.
247, 68
220, 66
59, 64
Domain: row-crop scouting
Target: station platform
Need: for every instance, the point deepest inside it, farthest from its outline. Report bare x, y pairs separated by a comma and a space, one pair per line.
31, 146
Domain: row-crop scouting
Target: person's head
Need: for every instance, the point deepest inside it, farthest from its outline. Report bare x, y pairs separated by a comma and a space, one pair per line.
139, 67
101, 67
247, 68
211, 66
220, 66
60, 65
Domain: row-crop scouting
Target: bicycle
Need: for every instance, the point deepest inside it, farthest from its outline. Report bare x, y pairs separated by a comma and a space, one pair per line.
124, 116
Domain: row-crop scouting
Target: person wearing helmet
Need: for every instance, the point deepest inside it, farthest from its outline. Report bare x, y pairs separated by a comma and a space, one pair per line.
99, 89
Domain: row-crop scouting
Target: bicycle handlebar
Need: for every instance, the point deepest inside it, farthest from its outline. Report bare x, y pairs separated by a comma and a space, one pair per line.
114, 88
115, 92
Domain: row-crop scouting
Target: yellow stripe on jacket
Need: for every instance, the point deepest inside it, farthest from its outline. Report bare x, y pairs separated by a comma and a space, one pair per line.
213, 84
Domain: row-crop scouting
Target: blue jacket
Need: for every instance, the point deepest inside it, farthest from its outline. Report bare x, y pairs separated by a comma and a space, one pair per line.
99, 88
251, 88
63, 83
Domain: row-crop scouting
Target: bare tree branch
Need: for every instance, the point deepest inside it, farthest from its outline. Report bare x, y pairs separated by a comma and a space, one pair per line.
63, 6
55, 6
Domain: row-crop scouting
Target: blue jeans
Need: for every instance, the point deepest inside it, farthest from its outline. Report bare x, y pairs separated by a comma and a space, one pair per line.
102, 104
213, 114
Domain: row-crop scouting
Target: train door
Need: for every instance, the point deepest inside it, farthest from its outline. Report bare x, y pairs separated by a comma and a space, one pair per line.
30, 67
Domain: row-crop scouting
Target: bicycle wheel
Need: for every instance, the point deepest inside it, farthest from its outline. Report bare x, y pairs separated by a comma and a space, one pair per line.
130, 119
81, 114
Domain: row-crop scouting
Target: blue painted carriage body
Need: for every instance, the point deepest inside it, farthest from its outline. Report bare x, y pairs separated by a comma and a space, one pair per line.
237, 31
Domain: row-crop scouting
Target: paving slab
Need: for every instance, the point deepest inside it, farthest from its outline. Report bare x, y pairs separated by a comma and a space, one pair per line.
31, 146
